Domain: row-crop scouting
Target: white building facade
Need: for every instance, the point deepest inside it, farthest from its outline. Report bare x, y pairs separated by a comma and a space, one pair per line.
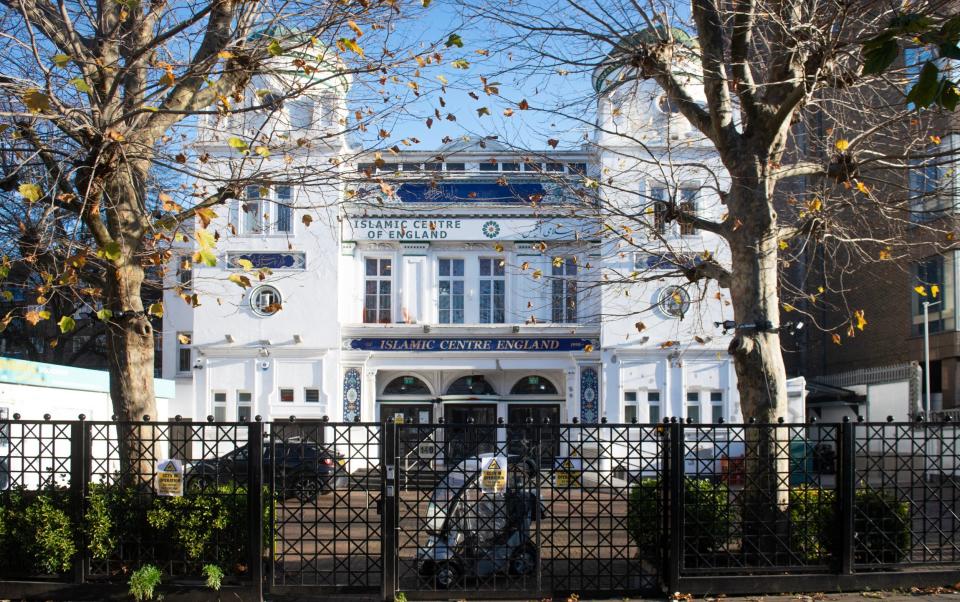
469, 282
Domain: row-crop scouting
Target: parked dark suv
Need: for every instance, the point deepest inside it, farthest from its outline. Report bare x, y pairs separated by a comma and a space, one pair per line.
306, 469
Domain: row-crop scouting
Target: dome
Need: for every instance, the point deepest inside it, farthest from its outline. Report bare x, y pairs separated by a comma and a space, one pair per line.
618, 61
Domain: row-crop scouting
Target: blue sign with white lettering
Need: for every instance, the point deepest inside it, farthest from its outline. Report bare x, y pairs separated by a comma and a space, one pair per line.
526, 344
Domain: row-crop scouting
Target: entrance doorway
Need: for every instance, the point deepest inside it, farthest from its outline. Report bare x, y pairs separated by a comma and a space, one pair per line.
410, 413
522, 435
463, 442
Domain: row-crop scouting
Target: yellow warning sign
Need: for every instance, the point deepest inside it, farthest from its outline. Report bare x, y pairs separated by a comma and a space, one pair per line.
398, 418
567, 472
169, 480
493, 478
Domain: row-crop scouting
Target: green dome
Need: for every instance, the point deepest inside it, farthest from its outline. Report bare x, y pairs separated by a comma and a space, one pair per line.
618, 58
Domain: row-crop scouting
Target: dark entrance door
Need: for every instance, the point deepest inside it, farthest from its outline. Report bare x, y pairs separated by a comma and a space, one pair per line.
463, 442
522, 433
421, 413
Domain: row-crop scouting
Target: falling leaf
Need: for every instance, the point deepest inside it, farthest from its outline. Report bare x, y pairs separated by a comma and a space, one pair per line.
483, 111
783, 245
935, 139
454, 40
81, 85
184, 339
275, 49
240, 280
667, 344
112, 250
934, 290
36, 101
558, 262
263, 151
225, 55
553, 143
885, 254
860, 320
356, 28
843, 144
61, 60
156, 309
640, 326
498, 247
701, 340
523, 105
168, 79
921, 290
788, 308
237, 143
461, 64
835, 338
537, 274
525, 265
862, 187
588, 348
67, 324
508, 112
104, 314
31, 192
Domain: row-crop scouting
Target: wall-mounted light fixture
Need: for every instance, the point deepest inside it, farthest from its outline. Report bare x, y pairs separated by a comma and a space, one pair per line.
229, 338
297, 339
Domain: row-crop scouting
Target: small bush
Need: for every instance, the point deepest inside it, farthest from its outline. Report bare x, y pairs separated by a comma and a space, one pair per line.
214, 576
37, 535
706, 516
144, 581
881, 526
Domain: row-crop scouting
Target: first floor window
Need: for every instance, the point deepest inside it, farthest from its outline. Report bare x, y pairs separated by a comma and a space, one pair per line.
254, 210
244, 405
451, 287
653, 404
659, 198
630, 406
284, 211
219, 406
493, 285
377, 290
693, 406
184, 354
263, 210
311, 395
286, 395
716, 406
563, 298
688, 205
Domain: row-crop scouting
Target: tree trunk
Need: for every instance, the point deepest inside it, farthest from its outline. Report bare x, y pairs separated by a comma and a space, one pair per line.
758, 359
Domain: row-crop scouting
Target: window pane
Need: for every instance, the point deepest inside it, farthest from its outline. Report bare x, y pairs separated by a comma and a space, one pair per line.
693, 412
653, 396
284, 193
485, 267
371, 267
630, 396
220, 413
385, 267
716, 395
693, 396
458, 267
716, 413
630, 413
244, 412
286, 395
311, 395
220, 398
243, 397
444, 267
654, 413
284, 218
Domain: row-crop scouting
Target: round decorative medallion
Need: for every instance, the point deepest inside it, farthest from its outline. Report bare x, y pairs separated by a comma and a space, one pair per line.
674, 301
491, 229
589, 395
352, 395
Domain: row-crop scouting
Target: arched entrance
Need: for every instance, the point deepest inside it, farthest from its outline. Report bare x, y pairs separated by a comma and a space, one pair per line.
533, 415
468, 399
406, 399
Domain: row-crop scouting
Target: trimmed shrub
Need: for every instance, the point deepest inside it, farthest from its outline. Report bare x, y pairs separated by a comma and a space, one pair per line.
881, 526
37, 535
706, 516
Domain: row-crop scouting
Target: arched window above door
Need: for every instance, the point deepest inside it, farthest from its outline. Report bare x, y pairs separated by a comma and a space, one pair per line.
471, 385
406, 385
533, 385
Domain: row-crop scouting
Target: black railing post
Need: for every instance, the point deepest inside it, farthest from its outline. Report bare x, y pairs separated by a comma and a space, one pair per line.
388, 457
255, 504
846, 492
79, 478
674, 530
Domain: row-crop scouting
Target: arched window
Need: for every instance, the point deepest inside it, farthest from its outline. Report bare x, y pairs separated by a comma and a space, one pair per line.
406, 385
533, 385
471, 385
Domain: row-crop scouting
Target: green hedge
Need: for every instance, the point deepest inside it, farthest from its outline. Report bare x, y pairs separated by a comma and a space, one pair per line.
881, 525
706, 509
37, 536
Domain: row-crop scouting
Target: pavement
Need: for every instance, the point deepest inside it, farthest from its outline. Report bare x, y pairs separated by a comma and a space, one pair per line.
926, 594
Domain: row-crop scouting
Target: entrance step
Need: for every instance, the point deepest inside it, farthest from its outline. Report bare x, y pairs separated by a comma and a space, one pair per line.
424, 479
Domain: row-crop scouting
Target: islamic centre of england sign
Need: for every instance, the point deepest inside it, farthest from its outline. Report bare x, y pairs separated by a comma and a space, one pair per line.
482, 228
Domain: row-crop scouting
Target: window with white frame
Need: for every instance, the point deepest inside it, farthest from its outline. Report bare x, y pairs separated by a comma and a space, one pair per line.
716, 406
311, 395
653, 406
931, 194
630, 406
184, 353
659, 199
263, 210
451, 291
378, 290
219, 406
563, 297
286, 395
185, 272
693, 405
244, 405
688, 205
493, 286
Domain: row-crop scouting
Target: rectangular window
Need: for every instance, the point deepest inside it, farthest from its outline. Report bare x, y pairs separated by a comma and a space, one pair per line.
509, 167
411, 167
488, 166
933, 284
244, 405
219, 407
553, 167
630, 406
688, 205
659, 199
451, 286
693, 405
286, 395
455, 166
253, 208
493, 286
716, 406
311, 395
378, 290
184, 353
563, 298
433, 166
185, 272
653, 402
284, 210
930, 196
577, 169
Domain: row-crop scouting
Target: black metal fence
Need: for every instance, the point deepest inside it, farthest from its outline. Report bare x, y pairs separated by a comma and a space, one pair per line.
527, 510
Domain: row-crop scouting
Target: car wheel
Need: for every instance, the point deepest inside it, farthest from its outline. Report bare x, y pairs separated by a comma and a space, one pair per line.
523, 561
446, 575
306, 488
